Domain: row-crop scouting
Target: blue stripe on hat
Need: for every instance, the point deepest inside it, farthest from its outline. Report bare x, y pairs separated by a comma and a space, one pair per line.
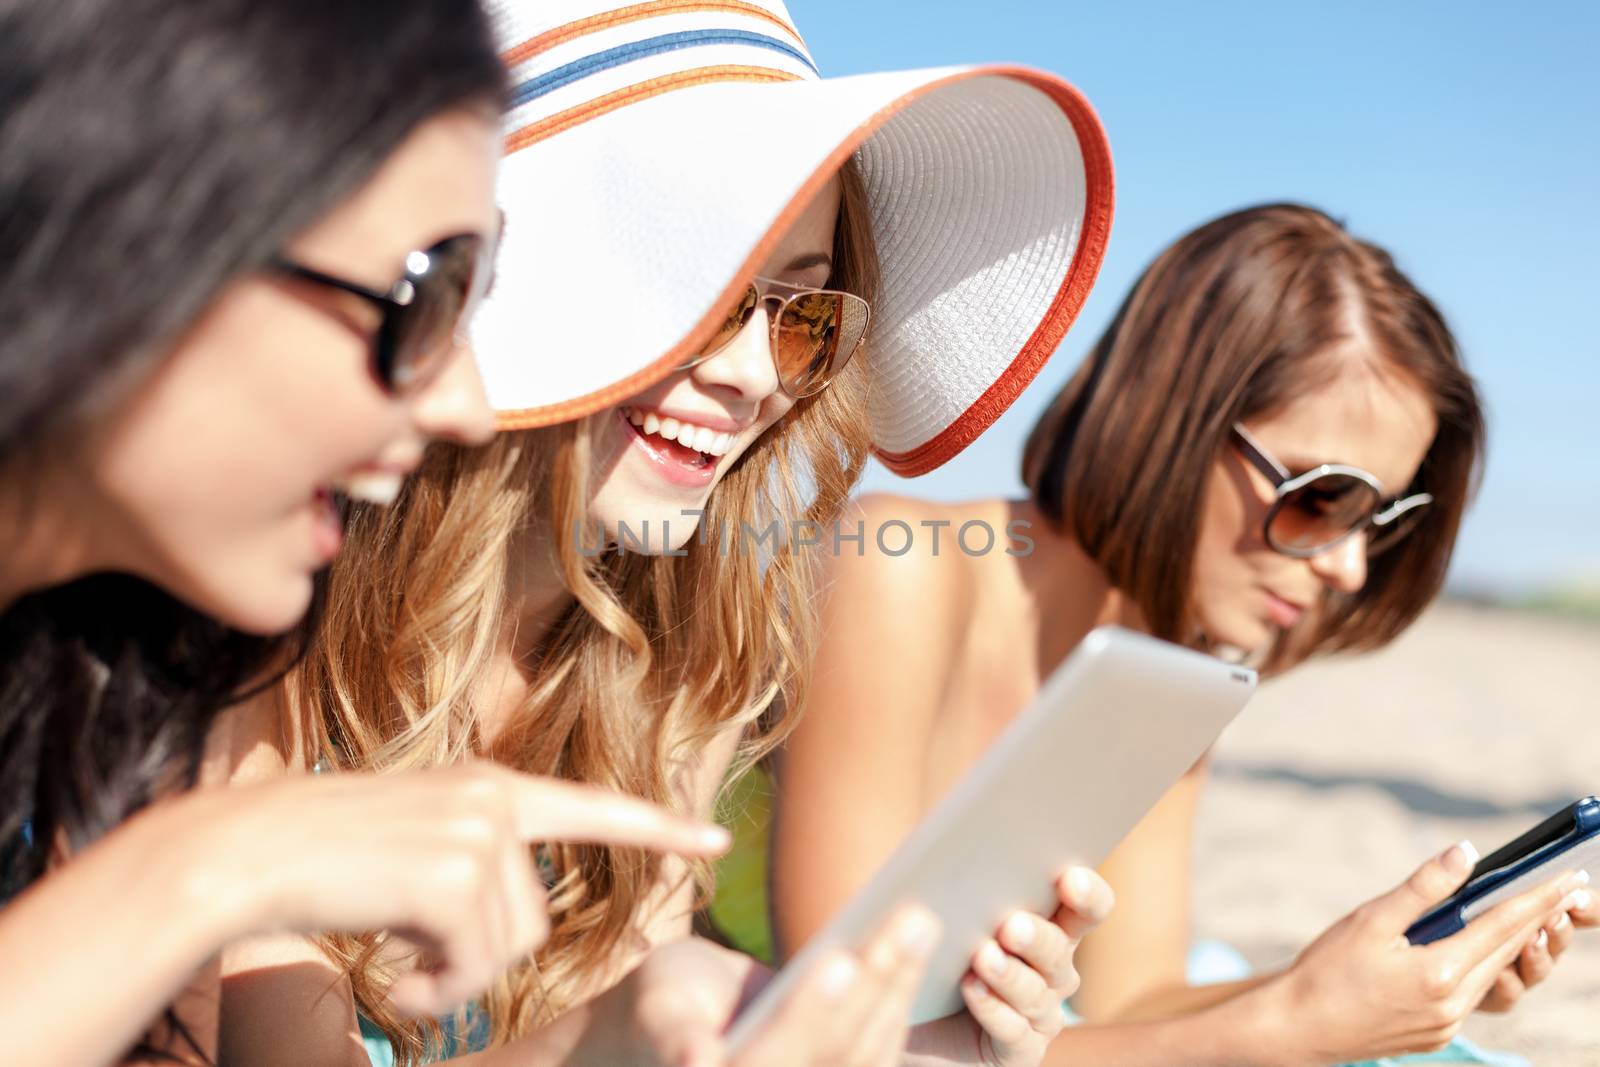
552, 80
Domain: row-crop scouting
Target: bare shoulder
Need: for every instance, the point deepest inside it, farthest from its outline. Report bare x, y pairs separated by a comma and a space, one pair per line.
898, 613
262, 743
905, 559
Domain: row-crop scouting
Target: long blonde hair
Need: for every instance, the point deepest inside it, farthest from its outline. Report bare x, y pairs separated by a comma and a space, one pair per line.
654, 656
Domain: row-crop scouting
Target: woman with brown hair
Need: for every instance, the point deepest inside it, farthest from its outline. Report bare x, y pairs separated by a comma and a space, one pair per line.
1267, 454
610, 592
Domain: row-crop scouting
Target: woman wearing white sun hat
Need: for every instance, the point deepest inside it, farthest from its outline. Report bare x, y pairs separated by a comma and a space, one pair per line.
696, 226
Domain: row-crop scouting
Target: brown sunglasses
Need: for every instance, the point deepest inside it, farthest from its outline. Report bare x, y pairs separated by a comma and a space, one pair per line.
1317, 509
814, 332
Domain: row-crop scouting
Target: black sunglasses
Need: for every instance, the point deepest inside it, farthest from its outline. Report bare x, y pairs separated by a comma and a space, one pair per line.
1314, 511
422, 311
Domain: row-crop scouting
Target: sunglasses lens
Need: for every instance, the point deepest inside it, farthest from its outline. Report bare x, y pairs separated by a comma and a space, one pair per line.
1320, 512
818, 332
419, 338
738, 315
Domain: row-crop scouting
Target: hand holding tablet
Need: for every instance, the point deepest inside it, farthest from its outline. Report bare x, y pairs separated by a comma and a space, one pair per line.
1109, 732
850, 1007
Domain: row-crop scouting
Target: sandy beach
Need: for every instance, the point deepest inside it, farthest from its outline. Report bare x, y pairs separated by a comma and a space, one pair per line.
1338, 780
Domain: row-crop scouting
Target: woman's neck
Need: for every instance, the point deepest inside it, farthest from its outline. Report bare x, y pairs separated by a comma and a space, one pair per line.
536, 594
1067, 592
536, 597
40, 543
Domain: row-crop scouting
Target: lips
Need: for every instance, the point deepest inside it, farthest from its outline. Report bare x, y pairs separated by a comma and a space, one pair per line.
327, 530
1283, 613
677, 464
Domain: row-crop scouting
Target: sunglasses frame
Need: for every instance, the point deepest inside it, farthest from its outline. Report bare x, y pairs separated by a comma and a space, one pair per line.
398, 299
1284, 483
774, 317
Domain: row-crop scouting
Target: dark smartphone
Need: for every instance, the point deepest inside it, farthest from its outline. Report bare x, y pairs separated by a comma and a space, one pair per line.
1568, 840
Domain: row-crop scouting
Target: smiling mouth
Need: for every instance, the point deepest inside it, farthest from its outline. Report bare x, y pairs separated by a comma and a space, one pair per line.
692, 446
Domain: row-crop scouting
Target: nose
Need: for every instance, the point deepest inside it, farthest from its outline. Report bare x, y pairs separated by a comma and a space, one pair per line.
1344, 566
744, 365
454, 405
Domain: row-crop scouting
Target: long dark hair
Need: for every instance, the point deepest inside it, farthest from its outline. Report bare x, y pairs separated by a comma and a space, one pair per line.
1233, 321
151, 151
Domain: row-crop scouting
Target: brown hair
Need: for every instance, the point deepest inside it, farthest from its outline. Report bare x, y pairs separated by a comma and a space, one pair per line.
655, 655
1231, 323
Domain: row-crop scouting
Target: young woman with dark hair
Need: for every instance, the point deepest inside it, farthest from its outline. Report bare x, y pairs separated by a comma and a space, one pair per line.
1267, 453
236, 241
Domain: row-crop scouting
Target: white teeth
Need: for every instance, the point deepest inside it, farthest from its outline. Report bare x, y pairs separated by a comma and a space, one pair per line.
700, 438
373, 487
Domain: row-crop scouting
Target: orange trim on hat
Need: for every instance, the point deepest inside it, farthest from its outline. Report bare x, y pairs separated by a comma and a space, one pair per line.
683, 79
623, 15
1099, 184
993, 403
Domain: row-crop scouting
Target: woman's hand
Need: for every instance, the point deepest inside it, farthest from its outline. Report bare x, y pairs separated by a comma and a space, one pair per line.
1539, 958
441, 857
1361, 991
1018, 982
851, 1010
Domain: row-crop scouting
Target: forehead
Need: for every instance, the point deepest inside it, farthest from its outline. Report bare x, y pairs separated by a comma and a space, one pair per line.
439, 181
1372, 415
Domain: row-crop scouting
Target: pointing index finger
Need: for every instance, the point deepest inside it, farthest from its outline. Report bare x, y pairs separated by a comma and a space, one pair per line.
548, 810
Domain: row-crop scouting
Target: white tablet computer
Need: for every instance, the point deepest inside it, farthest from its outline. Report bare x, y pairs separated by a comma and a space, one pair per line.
1108, 734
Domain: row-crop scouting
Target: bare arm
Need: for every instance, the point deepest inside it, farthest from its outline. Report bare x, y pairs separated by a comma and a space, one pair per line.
853, 778
1139, 1008
284, 1000
1134, 966
84, 978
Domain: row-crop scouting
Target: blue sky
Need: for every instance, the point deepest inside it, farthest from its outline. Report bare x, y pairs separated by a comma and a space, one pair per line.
1464, 137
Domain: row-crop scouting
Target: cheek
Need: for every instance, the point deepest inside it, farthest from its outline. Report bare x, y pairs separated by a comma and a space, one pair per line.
1229, 547
212, 467
772, 412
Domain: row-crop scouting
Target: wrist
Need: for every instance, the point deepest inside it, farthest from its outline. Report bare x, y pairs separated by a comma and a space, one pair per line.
605, 1028
1263, 1023
208, 868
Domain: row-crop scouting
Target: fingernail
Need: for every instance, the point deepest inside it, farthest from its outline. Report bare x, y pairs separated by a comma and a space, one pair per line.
1576, 880
1079, 885
1019, 928
716, 837
993, 958
1460, 858
919, 932
1542, 940
1579, 901
838, 975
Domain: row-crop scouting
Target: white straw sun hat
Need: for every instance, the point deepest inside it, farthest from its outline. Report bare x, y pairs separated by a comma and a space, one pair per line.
658, 151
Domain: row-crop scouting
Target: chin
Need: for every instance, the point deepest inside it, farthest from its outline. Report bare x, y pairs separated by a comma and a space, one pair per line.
260, 609
1246, 634
655, 533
